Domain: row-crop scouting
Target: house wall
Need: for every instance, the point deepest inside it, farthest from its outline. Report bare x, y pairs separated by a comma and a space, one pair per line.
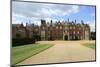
55, 31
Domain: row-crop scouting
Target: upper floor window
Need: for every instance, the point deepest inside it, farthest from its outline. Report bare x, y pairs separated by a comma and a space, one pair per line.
74, 27
56, 27
66, 31
70, 27
60, 27
78, 32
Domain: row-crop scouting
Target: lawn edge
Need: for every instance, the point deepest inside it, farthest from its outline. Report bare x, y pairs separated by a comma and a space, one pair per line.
33, 55
85, 44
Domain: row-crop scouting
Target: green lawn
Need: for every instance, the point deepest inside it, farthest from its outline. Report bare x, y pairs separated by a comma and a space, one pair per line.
21, 53
90, 45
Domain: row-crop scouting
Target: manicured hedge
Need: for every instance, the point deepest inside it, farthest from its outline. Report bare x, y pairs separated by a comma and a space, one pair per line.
22, 41
37, 37
93, 36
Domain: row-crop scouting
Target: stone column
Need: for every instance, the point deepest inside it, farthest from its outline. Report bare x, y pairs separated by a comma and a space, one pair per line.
68, 35
63, 35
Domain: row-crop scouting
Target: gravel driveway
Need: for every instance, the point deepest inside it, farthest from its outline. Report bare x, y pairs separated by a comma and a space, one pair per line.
62, 51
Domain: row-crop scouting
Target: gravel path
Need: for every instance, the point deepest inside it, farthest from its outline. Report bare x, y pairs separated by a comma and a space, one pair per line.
62, 51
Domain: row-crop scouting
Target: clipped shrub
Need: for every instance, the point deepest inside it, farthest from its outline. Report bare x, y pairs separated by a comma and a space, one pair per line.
22, 41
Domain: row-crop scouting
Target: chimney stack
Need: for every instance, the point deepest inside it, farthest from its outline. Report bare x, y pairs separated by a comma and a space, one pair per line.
75, 21
68, 19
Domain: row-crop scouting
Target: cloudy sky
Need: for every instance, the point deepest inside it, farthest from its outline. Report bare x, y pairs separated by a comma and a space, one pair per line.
33, 12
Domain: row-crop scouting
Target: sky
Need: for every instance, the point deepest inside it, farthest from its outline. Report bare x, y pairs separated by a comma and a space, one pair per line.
30, 12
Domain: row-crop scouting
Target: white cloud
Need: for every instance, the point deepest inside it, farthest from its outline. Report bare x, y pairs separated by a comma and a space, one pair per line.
42, 11
92, 14
92, 25
38, 11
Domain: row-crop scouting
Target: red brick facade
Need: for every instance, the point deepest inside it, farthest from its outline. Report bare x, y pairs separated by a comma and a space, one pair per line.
55, 31
65, 31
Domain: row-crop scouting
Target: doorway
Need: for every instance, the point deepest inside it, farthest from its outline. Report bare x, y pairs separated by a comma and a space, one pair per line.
66, 37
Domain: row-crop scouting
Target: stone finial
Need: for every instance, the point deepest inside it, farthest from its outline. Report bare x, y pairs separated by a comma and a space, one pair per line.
43, 21
22, 24
51, 21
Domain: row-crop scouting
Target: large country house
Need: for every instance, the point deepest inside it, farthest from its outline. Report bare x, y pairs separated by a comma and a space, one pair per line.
65, 30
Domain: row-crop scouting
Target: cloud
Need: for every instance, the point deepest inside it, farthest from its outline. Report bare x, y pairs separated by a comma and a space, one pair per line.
92, 14
42, 11
92, 25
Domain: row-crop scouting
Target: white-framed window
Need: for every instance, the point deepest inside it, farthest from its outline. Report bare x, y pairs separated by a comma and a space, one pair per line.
70, 27
74, 37
78, 32
66, 31
74, 27
66, 27
60, 27
43, 33
56, 27
74, 32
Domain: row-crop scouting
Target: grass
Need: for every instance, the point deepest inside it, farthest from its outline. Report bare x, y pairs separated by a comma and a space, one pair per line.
21, 53
90, 45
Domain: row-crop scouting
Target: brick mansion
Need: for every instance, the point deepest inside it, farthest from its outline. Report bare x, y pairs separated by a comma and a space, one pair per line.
66, 30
